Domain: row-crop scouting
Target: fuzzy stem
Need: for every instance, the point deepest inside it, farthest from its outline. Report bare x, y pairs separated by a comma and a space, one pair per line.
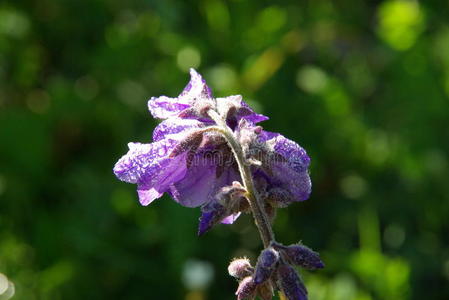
261, 219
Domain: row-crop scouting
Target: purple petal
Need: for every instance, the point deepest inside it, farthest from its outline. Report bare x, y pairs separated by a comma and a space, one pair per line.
292, 173
267, 135
230, 219
298, 184
146, 196
174, 126
211, 215
196, 88
296, 155
148, 165
254, 117
164, 107
200, 184
141, 159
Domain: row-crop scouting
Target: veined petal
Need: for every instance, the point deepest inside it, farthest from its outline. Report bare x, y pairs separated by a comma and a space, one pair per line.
133, 166
254, 117
196, 188
296, 155
297, 183
174, 126
196, 88
200, 185
292, 173
146, 196
164, 107
149, 166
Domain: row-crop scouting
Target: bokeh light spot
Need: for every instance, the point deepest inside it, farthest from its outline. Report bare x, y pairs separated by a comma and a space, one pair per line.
400, 23
223, 78
13, 23
7, 288
197, 274
353, 186
311, 79
3, 283
188, 57
271, 19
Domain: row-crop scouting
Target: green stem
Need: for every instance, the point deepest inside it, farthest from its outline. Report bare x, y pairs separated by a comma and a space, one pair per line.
257, 206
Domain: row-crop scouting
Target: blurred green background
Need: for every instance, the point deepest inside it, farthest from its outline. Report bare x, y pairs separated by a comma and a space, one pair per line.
362, 85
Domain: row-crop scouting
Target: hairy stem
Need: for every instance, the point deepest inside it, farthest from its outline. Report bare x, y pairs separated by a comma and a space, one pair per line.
257, 206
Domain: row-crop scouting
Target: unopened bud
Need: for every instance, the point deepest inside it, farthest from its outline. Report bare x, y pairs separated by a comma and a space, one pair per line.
266, 264
304, 257
246, 289
291, 284
240, 268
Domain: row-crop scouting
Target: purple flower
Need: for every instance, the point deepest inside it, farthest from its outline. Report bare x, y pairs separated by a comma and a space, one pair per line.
194, 164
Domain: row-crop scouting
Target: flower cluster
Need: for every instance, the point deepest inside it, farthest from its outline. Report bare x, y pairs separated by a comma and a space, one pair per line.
203, 153
274, 267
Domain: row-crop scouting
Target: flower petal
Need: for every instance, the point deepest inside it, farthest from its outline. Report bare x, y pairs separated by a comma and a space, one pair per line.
200, 185
231, 218
146, 196
244, 111
149, 166
196, 88
254, 117
197, 187
293, 172
164, 107
174, 126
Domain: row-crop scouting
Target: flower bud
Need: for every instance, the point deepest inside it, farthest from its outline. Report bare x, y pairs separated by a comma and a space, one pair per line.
291, 284
266, 264
240, 268
246, 289
304, 257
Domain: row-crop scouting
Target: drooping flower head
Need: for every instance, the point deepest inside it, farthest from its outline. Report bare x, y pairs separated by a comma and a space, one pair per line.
193, 163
